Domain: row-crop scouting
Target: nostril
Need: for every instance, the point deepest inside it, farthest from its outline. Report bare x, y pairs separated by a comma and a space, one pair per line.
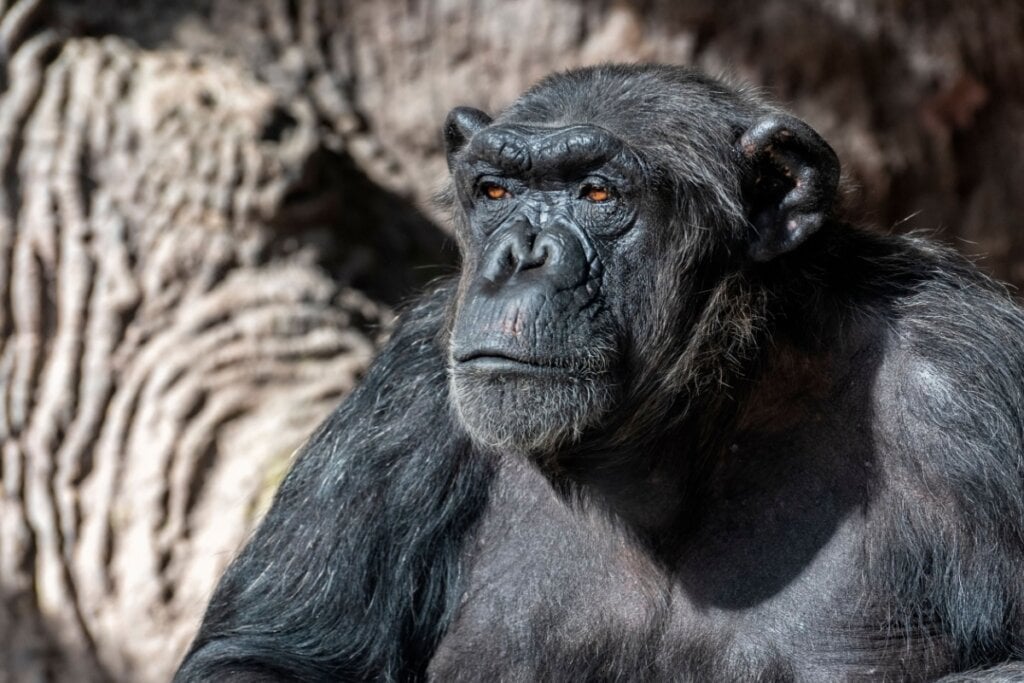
501, 263
546, 252
535, 258
519, 256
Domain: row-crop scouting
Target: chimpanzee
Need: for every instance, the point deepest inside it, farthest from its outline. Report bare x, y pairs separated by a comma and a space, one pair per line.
677, 419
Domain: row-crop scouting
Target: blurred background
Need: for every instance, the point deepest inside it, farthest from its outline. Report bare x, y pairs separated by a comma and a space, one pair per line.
209, 210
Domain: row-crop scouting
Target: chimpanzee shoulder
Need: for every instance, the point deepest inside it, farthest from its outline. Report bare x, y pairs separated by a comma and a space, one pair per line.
950, 413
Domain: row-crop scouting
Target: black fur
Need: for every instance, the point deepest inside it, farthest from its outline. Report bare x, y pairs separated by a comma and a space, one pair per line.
803, 458
399, 487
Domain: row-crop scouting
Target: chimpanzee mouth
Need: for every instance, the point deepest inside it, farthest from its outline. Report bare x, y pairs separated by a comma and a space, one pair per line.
497, 362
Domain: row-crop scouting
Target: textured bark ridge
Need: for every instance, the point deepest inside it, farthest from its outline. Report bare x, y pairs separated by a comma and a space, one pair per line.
165, 347
208, 207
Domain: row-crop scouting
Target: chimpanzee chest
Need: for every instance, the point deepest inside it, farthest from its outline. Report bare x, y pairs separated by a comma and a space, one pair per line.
555, 593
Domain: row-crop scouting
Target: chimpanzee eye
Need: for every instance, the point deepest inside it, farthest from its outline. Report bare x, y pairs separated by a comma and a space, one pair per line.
493, 191
595, 193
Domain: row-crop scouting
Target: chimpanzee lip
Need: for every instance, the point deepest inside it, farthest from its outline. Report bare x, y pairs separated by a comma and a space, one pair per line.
497, 361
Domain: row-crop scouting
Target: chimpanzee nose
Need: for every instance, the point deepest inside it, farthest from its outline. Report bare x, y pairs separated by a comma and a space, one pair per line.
532, 251
523, 252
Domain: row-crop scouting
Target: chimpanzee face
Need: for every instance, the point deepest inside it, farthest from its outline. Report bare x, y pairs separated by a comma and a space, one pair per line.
548, 211
600, 219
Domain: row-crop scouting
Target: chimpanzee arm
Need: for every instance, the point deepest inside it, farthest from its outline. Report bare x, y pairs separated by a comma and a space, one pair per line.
354, 573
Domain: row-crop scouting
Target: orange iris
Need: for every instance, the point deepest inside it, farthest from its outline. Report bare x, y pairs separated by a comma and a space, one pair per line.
495, 192
598, 194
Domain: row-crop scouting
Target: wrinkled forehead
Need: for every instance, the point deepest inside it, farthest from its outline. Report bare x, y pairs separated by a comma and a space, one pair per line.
563, 151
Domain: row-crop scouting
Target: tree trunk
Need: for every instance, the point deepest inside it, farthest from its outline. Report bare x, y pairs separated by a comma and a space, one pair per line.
208, 209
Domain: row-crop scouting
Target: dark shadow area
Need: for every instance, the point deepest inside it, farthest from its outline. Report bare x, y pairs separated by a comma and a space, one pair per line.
803, 461
371, 239
148, 23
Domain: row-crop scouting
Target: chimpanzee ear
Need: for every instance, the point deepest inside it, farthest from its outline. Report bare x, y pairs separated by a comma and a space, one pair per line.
459, 127
790, 183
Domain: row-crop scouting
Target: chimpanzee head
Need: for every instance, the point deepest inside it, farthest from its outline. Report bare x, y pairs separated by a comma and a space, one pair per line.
602, 220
